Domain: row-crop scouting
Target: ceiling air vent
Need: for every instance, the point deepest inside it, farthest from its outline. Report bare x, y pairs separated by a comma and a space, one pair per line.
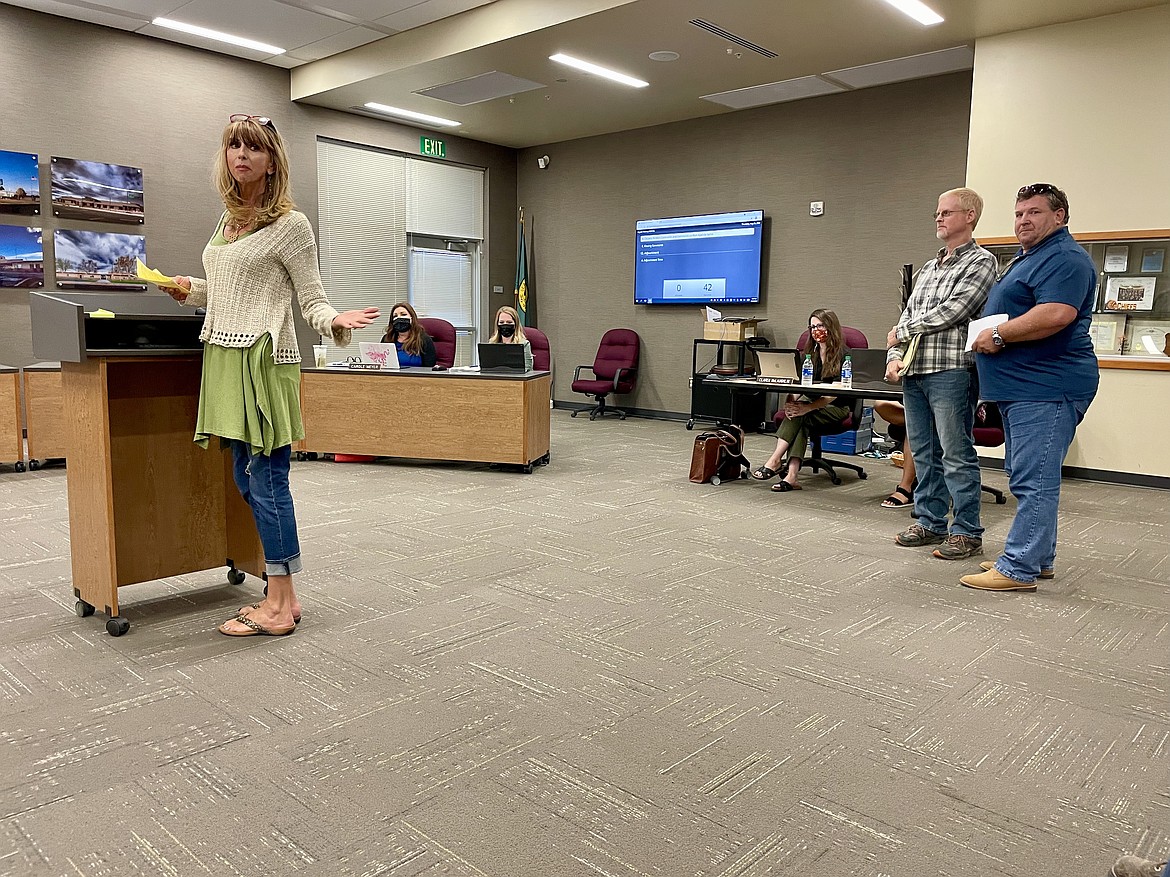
735, 38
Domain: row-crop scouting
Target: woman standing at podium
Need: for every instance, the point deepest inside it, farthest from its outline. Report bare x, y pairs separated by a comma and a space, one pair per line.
261, 254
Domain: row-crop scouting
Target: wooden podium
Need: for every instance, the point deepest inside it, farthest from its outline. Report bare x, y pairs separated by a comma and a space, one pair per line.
145, 502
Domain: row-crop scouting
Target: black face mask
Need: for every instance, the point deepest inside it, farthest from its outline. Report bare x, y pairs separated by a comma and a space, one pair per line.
401, 324
506, 330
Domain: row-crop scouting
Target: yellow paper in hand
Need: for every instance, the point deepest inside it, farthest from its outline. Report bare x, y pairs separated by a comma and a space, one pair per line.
155, 277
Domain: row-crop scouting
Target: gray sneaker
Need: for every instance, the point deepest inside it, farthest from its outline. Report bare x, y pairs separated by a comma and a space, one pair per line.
1134, 866
956, 547
916, 535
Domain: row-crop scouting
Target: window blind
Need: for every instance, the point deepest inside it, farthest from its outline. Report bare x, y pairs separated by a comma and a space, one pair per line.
362, 212
445, 200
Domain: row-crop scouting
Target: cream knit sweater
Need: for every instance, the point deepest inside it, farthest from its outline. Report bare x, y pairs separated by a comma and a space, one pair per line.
250, 284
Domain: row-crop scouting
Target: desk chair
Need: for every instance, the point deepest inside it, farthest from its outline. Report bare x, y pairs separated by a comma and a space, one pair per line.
615, 370
988, 433
541, 352
854, 338
443, 334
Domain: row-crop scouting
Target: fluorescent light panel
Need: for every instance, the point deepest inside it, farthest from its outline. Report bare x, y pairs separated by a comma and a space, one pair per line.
570, 61
218, 36
917, 10
412, 115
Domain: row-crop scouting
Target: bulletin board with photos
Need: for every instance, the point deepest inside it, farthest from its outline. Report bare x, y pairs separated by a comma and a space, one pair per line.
1132, 312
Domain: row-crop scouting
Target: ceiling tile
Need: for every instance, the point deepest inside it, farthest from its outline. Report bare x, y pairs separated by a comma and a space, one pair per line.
428, 11
347, 39
477, 89
367, 10
911, 67
263, 20
774, 92
79, 13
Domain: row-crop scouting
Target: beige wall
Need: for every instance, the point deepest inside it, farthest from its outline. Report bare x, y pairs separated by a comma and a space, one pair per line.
81, 91
1081, 105
1084, 106
877, 158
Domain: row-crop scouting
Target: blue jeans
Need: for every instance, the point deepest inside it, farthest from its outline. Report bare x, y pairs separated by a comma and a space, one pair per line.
263, 483
1038, 435
940, 414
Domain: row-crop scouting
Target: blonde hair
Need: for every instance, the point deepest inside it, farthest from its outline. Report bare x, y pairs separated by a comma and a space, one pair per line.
518, 338
969, 199
277, 198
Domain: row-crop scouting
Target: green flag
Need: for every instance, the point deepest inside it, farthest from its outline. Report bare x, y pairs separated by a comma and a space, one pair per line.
522, 276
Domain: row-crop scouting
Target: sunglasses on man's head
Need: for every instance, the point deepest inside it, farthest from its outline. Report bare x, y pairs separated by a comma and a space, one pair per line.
1035, 189
259, 120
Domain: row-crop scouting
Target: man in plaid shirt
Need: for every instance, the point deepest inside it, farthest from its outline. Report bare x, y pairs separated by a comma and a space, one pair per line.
940, 389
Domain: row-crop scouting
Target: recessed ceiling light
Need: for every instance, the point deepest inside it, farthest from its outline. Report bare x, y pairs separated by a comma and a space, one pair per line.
218, 36
412, 115
663, 56
597, 70
917, 10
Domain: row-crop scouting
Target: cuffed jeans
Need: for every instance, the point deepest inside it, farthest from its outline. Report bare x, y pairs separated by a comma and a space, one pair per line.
940, 414
263, 483
1037, 437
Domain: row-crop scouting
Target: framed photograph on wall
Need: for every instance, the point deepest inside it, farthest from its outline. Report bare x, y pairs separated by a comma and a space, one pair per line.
98, 259
96, 191
1107, 332
20, 184
1130, 293
22, 257
1149, 337
1116, 258
1153, 260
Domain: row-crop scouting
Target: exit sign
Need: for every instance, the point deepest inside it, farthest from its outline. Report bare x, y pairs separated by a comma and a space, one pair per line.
432, 146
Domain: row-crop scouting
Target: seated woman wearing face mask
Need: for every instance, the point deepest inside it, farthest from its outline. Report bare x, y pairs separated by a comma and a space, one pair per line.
509, 331
415, 347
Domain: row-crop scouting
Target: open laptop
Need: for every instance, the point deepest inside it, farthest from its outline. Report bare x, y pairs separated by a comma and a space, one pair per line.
501, 357
379, 354
869, 365
776, 366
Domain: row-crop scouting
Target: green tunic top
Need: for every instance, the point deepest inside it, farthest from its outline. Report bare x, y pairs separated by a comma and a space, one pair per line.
245, 395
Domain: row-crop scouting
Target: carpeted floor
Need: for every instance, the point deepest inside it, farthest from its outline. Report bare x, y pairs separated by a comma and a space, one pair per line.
596, 669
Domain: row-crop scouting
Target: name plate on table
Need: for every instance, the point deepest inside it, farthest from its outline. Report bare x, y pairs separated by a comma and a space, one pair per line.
364, 366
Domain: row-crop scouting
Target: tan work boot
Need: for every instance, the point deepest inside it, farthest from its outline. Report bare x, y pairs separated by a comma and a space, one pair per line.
1044, 573
994, 580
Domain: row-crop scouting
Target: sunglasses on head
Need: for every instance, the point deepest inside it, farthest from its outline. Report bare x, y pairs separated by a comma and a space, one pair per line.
1035, 189
259, 120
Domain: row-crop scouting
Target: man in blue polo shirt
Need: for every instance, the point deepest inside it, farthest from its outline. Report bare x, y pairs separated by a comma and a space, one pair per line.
1040, 368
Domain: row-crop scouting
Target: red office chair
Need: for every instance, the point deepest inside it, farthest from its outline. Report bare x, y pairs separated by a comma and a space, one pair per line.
443, 334
541, 352
854, 338
615, 370
988, 433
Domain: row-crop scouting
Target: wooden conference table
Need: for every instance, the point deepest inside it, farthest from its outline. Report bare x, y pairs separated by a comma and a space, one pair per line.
417, 413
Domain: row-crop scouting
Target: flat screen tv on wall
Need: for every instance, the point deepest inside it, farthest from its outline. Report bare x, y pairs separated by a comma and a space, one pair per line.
687, 260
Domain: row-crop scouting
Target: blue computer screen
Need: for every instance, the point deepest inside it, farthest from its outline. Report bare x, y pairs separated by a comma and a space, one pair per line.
691, 260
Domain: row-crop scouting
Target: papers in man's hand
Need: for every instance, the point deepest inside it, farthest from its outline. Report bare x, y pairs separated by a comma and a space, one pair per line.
155, 277
982, 323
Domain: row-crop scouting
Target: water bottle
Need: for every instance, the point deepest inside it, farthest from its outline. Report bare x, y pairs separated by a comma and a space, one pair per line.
847, 373
806, 371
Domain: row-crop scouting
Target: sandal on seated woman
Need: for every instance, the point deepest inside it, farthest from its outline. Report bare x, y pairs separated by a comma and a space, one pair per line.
763, 473
900, 498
